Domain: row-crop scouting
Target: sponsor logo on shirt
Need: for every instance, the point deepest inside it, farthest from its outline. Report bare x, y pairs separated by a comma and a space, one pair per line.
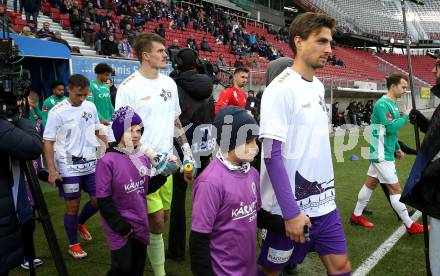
245, 210
104, 95
166, 94
135, 186
278, 256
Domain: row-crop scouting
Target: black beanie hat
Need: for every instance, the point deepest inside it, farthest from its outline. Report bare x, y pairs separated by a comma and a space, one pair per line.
186, 59
235, 126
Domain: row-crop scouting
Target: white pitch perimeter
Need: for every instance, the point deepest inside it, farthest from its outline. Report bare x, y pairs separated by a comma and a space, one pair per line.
383, 249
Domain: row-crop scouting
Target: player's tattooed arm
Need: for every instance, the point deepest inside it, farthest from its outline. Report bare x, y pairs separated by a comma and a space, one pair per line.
179, 133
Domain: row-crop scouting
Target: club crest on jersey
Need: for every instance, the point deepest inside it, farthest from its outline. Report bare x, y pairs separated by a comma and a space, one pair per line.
87, 116
166, 95
143, 171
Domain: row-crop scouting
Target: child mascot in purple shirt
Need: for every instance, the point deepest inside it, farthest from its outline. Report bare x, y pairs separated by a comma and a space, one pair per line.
226, 201
122, 176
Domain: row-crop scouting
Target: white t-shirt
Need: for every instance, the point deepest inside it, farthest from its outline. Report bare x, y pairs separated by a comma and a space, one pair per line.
73, 130
156, 101
293, 111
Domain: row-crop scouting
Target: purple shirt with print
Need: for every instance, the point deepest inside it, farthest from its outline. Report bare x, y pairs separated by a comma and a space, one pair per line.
124, 178
225, 205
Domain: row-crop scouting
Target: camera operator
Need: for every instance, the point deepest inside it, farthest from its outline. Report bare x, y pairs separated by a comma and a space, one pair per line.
196, 104
19, 140
425, 174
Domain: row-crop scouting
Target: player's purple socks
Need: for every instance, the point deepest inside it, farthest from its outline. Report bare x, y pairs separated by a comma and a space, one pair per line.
342, 274
71, 226
87, 211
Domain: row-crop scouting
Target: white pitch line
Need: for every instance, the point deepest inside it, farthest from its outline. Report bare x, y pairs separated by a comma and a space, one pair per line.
383, 249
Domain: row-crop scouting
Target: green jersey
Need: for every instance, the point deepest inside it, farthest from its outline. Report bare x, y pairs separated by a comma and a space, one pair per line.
35, 114
101, 97
48, 104
386, 123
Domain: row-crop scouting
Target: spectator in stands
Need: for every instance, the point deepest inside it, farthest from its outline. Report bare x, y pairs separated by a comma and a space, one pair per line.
57, 38
109, 47
88, 32
172, 51
76, 50
31, 8
6, 19
340, 63
204, 45
221, 62
238, 63
123, 22
26, 31
45, 32
66, 6
129, 33
352, 113
31, 24
99, 37
139, 30
107, 21
160, 30
75, 23
368, 110
124, 48
219, 39
21, 5
138, 20
335, 115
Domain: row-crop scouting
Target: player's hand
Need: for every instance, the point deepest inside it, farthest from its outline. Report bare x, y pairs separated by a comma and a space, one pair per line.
105, 122
295, 227
400, 155
53, 177
406, 110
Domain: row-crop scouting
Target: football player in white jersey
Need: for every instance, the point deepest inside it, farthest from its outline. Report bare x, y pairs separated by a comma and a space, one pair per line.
297, 180
70, 149
154, 97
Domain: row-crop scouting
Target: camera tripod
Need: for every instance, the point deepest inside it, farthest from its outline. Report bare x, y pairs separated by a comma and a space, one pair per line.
44, 218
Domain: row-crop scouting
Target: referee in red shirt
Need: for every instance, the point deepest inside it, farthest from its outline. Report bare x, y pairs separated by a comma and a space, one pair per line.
234, 95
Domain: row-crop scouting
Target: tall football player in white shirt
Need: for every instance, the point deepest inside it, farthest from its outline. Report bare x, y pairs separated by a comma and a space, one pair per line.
71, 138
297, 180
154, 97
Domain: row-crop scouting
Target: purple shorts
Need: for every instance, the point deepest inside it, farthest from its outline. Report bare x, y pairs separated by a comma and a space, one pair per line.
72, 185
326, 237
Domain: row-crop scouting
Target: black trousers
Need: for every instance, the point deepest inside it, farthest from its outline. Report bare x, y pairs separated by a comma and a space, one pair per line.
177, 232
128, 260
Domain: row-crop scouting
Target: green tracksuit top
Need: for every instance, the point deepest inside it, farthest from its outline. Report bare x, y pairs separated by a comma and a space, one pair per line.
35, 114
102, 100
386, 123
48, 104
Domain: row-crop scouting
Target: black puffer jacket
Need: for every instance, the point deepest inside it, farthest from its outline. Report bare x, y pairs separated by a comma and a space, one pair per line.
197, 106
22, 142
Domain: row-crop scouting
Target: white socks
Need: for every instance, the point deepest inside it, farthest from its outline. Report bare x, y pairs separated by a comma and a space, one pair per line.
363, 198
156, 254
401, 210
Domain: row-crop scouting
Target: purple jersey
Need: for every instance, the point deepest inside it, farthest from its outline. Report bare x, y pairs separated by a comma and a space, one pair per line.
225, 205
124, 178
